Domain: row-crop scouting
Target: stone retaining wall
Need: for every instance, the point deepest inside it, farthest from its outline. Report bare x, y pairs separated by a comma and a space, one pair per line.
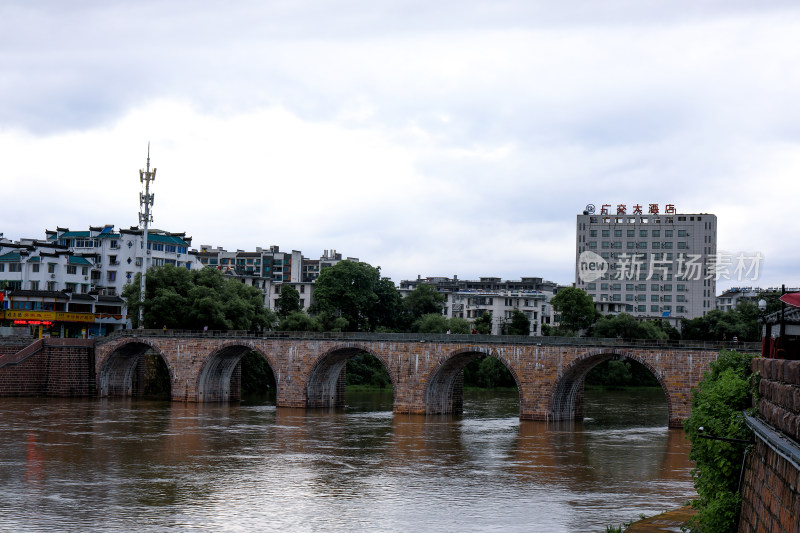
770, 494
48, 367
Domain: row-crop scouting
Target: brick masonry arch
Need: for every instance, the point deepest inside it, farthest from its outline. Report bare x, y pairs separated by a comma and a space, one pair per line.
444, 390
118, 363
214, 379
325, 382
566, 398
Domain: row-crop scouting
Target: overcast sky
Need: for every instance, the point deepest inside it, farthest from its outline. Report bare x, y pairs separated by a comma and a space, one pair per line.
431, 138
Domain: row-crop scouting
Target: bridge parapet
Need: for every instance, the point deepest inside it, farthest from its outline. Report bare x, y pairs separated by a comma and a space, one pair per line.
746, 347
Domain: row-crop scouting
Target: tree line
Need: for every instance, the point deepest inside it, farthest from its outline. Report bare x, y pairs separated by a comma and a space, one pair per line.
578, 317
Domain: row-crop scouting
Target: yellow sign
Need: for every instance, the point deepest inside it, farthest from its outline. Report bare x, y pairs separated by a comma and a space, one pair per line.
53, 316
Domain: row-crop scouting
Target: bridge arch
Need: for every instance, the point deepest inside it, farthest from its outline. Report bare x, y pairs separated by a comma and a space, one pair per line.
116, 373
566, 402
324, 388
445, 382
214, 379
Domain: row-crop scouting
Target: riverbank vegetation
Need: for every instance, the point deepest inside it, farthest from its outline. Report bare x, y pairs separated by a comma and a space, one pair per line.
718, 403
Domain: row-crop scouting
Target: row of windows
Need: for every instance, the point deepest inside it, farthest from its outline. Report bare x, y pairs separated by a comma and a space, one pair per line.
640, 245
642, 298
667, 287
642, 233
51, 268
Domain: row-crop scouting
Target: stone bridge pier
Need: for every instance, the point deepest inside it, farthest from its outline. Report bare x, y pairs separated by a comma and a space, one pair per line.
425, 371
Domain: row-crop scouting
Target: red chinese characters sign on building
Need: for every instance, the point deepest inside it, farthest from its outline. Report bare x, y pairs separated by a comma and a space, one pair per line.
637, 209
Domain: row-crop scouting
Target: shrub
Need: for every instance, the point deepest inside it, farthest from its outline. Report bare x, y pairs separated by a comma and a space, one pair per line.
717, 406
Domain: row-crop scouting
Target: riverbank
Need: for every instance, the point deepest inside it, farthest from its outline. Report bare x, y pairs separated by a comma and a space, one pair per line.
669, 521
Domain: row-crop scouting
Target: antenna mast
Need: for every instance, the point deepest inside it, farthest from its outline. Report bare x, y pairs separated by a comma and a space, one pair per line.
145, 217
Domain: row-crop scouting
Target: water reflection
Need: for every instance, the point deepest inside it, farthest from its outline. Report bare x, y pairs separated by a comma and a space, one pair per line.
112, 465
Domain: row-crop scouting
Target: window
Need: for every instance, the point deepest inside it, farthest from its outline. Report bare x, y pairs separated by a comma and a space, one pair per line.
606, 245
656, 245
641, 308
593, 233
654, 298
606, 233
667, 245
35, 267
681, 233
631, 233
667, 297
592, 286
629, 297
654, 287
617, 233
682, 245
631, 245
51, 285
656, 233
15, 267
71, 287
34, 285
654, 309
112, 275
72, 269
680, 309
667, 233
642, 233
51, 268
681, 298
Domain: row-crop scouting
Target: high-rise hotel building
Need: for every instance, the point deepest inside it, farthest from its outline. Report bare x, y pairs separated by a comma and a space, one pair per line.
647, 260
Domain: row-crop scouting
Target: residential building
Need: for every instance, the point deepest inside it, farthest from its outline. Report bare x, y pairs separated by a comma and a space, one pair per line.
470, 299
269, 269
732, 297
650, 265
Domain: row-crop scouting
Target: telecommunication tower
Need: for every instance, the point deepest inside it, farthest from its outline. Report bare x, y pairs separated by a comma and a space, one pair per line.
145, 218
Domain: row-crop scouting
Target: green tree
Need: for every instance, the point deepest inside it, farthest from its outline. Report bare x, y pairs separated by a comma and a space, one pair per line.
519, 325
717, 325
626, 326
717, 407
489, 373
431, 323
575, 309
424, 300
347, 290
179, 298
387, 315
458, 326
483, 324
288, 302
299, 321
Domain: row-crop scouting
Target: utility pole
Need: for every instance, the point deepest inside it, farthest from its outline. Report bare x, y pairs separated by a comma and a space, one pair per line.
145, 217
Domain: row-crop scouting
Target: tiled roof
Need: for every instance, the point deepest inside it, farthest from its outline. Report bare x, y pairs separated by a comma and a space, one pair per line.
168, 239
792, 316
75, 260
10, 256
74, 234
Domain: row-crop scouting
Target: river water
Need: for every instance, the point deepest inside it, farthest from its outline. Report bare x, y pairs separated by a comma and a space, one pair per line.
125, 465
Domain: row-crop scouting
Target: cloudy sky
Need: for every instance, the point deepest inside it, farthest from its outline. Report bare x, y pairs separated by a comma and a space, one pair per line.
432, 138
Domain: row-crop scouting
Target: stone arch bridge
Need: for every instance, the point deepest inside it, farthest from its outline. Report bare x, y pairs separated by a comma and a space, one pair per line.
425, 370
